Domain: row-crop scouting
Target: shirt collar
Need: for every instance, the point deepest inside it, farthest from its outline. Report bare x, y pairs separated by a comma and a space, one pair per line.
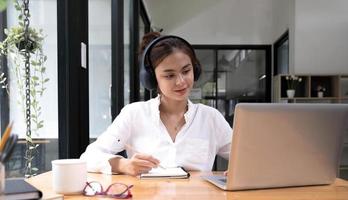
155, 112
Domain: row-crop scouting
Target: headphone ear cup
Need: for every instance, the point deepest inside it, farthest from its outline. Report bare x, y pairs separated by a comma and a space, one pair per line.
196, 71
148, 77
152, 78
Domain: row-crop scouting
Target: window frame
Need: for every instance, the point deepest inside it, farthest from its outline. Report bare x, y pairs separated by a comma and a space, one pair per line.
268, 51
284, 37
4, 98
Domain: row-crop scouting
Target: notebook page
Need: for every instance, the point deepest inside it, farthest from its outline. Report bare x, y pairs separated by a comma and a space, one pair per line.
167, 172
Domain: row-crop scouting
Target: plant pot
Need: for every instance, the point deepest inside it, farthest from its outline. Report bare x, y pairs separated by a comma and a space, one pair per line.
290, 93
320, 94
22, 44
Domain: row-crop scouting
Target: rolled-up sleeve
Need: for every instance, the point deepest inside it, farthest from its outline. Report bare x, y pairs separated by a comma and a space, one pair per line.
109, 143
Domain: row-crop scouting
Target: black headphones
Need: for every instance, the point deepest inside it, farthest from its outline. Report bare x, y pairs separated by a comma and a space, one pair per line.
147, 71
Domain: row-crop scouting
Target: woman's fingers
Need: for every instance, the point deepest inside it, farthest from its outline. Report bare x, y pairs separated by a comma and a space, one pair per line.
147, 158
138, 164
139, 169
143, 163
142, 170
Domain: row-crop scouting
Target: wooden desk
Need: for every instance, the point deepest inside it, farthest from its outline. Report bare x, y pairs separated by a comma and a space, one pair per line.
196, 188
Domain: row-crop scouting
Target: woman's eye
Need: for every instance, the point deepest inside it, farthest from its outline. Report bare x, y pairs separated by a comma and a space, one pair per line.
169, 76
186, 71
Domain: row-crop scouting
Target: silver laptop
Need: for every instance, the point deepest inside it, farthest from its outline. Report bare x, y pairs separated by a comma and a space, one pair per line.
282, 145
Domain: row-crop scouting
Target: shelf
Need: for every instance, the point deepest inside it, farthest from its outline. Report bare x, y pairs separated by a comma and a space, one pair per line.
301, 90
330, 83
336, 89
344, 100
344, 167
311, 98
344, 86
344, 160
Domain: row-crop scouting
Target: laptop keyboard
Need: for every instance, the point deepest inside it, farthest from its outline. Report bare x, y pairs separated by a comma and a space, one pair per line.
223, 180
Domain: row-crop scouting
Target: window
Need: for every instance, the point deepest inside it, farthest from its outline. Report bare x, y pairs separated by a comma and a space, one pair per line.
232, 74
126, 35
43, 16
281, 55
99, 38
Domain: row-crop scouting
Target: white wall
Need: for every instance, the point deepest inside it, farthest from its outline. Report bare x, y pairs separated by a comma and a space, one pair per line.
215, 22
318, 29
320, 37
281, 17
291, 36
230, 22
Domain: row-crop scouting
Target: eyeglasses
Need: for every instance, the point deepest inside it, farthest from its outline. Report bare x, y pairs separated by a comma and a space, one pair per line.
115, 190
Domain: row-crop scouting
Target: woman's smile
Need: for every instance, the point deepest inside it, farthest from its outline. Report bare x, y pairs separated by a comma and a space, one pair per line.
181, 91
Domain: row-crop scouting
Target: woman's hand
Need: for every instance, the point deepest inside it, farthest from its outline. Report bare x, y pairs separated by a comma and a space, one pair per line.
138, 164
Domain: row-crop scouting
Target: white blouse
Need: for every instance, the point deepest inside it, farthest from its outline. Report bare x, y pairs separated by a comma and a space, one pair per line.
205, 134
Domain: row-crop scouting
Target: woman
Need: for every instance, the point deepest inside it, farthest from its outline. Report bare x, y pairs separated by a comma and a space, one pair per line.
168, 130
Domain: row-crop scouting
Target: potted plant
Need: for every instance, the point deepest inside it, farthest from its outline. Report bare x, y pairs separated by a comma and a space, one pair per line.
320, 90
14, 48
292, 83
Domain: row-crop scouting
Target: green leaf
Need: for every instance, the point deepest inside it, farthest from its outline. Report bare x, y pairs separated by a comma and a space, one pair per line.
3, 80
34, 63
17, 6
3, 5
28, 139
35, 78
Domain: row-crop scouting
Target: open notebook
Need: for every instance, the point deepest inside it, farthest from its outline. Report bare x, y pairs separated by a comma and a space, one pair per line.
171, 172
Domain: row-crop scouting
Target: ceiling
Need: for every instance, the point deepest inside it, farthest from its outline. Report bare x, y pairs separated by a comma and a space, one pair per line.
168, 14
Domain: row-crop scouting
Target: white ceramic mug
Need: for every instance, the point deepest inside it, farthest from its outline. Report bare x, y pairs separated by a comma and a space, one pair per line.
69, 176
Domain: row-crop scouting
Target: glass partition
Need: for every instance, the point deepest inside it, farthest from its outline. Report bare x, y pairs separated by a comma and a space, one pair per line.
99, 37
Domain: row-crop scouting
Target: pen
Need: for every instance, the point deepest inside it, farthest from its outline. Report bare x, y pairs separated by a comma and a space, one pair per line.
5, 136
131, 148
8, 149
